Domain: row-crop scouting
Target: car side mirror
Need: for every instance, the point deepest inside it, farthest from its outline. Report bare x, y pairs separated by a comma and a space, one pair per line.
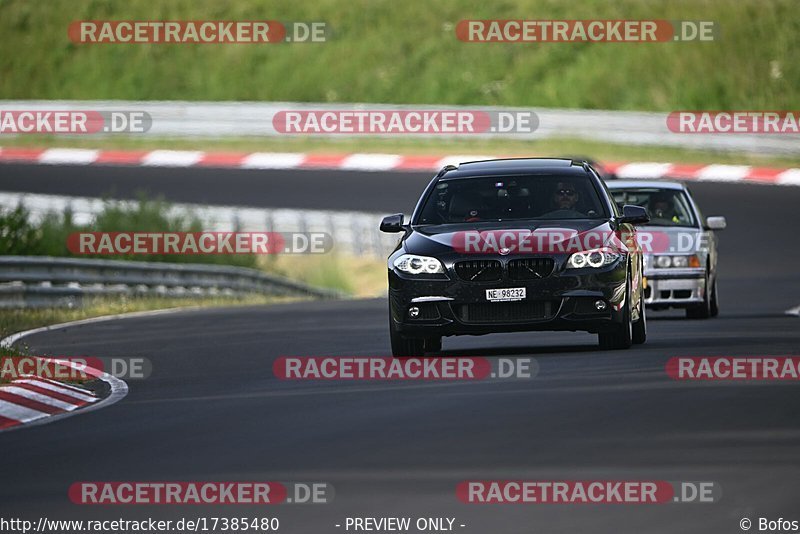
716, 223
634, 215
392, 224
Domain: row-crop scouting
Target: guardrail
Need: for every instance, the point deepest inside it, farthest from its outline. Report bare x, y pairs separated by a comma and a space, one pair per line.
181, 119
354, 233
43, 281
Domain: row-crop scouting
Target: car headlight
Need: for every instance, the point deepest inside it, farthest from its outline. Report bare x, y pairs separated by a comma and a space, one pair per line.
595, 258
680, 261
664, 261
413, 264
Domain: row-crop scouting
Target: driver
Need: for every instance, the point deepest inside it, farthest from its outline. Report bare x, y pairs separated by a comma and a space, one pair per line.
663, 208
565, 196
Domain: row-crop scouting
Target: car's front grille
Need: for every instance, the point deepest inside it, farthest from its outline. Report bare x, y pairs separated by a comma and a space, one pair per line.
479, 270
530, 268
505, 312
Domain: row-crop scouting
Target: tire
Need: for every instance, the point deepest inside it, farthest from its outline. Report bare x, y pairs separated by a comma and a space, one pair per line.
714, 300
402, 346
622, 337
433, 344
702, 310
640, 326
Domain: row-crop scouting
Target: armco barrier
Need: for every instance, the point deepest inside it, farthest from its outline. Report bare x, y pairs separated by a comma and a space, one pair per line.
354, 233
43, 281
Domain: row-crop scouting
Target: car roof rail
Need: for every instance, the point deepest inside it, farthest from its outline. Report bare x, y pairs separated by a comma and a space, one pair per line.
446, 169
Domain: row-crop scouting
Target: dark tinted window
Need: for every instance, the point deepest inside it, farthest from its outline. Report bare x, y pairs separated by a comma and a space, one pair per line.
506, 198
667, 207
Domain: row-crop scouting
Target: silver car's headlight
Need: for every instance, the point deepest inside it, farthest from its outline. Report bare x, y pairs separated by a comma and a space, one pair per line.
680, 261
595, 258
664, 261
413, 264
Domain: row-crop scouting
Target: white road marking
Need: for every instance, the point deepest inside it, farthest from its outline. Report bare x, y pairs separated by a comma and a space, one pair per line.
724, 173
273, 160
370, 162
643, 170
172, 158
68, 156
788, 177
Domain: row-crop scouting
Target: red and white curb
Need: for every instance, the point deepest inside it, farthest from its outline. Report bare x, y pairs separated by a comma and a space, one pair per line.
371, 162
31, 398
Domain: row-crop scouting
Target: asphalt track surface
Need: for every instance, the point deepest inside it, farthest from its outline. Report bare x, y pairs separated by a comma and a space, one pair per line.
308, 189
212, 410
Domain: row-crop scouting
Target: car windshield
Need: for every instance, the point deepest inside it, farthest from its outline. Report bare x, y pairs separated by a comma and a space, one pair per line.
508, 198
667, 207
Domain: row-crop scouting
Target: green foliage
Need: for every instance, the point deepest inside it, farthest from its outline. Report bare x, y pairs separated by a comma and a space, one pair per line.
17, 235
21, 235
407, 52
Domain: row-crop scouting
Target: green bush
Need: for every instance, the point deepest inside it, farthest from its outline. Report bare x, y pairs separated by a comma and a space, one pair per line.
20, 236
17, 235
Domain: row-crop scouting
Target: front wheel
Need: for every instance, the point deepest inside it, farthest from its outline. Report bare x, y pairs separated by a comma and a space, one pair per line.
640, 326
704, 309
714, 300
433, 344
622, 337
403, 346
640, 330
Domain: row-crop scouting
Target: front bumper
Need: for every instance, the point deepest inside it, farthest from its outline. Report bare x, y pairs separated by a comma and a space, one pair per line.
561, 301
675, 288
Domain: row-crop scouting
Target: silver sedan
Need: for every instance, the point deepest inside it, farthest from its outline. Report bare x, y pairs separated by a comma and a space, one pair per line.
680, 246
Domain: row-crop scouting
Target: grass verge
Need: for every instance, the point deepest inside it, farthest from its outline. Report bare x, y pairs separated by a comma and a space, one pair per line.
407, 52
360, 277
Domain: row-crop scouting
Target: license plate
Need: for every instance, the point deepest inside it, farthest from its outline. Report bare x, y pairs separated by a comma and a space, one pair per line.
501, 295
